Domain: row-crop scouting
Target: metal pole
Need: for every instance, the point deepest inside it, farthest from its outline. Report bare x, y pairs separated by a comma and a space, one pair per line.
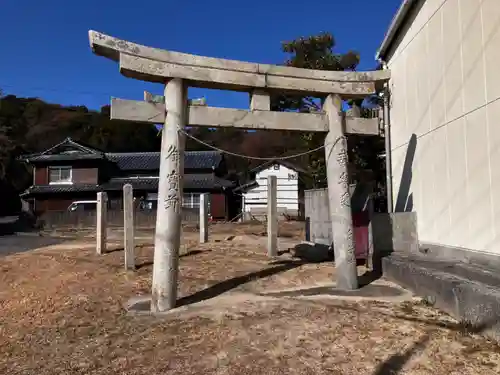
388, 155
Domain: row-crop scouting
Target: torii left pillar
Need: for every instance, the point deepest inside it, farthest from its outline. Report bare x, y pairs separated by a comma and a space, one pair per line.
168, 216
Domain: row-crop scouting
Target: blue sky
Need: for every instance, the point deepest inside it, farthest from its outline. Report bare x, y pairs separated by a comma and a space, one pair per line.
45, 49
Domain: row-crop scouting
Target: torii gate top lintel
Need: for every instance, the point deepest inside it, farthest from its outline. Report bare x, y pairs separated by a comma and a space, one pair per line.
159, 65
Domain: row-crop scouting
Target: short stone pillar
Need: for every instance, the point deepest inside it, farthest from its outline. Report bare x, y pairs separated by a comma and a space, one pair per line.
272, 217
128, 227
308, 229
339, 197
101, 224
168, 217
370, 261
204, 217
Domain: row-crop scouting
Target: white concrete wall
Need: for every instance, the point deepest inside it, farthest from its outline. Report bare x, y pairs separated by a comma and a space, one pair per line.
446, 90
287, 190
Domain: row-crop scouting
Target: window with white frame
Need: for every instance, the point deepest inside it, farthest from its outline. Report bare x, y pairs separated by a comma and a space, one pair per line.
196, 200
60, 175
192, 200
186, 200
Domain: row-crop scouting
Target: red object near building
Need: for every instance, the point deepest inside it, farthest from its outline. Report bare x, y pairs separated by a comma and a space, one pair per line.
218, 206
361, 223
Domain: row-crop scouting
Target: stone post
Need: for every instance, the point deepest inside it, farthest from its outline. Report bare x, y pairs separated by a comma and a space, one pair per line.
101, 225
204, 217
168, 219
272, 217
308, 229
128, 226
370, 263
339, 197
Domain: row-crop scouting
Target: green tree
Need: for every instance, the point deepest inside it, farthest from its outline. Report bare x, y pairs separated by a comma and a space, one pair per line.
317, 52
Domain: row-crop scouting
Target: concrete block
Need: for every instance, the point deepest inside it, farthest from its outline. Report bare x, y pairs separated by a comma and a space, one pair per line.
458, 289
460, 254
395, 232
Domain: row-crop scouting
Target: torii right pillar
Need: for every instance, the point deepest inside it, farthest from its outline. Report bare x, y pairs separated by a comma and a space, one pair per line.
339, 197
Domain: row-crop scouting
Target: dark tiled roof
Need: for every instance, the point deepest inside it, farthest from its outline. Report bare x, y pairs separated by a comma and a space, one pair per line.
125, 160
56, 188
135, 160
202, 181
62, 157
78, 151
202, 159
151, 160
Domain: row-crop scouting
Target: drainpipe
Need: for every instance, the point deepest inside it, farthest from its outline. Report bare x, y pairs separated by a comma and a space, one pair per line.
387, 134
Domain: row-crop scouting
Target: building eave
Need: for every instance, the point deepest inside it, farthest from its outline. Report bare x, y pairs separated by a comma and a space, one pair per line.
246, 187
58, 189
394, 28
53, 159
284, 163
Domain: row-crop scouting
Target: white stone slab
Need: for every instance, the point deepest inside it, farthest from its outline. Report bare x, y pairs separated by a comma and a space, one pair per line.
137, 111
111, 47
153, 64
157, 71
359, 125
154, 113
260, 100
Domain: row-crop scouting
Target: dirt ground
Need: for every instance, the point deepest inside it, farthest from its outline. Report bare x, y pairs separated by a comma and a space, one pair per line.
62, 313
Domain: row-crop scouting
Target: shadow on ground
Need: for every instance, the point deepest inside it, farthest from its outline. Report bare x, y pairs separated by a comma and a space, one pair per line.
227, 285
188, 254
142, 304
12, 244
367, 291
396, 362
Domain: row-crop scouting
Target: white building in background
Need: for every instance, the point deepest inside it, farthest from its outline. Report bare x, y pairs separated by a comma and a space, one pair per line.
290, 190
445, 119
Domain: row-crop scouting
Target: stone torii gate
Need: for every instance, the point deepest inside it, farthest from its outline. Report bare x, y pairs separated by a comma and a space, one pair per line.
178, 71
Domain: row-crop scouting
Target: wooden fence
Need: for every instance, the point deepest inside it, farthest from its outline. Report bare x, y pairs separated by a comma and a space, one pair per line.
54, 219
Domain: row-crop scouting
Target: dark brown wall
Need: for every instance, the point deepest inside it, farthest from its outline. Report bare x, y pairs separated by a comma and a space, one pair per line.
80, 175
54, 204
218, 206
85, 175
41, 176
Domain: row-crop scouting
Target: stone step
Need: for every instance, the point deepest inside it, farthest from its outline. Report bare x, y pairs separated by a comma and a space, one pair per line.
469, 293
